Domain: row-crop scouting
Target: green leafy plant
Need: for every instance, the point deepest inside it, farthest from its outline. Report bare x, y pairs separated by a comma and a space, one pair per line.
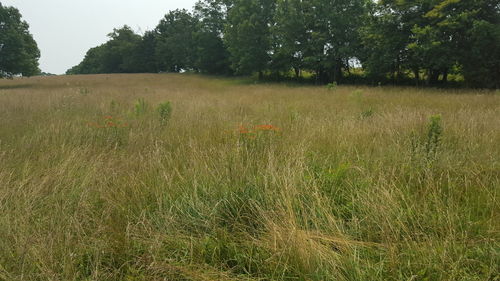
165, 112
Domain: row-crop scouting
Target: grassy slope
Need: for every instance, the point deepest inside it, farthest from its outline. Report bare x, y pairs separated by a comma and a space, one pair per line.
345, 191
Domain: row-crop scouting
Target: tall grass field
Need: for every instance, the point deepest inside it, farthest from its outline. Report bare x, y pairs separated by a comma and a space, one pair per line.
185, 177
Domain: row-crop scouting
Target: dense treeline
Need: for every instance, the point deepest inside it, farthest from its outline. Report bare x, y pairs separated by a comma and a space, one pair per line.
392, 41
19, 52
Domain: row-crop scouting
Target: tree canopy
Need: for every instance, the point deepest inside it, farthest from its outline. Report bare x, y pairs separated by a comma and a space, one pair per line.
422, 42
19, 52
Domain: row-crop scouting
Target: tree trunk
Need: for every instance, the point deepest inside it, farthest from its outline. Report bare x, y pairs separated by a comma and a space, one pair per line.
416, 72
433, 77
297, 73
261, 75
337, 71
445, 76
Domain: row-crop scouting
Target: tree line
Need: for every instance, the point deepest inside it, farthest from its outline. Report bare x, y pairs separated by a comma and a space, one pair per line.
19, 52
390, 41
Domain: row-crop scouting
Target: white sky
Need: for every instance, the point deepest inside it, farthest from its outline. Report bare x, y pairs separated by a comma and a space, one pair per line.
66, 29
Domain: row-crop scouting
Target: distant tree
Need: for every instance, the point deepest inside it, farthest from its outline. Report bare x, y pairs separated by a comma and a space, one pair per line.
335, 35
472, 28
91, 63
175, 43
120, 52
118, 55
291, 35
247, 35
211, 56
19, 52
321, 35
144, 55
385, 36
436, 37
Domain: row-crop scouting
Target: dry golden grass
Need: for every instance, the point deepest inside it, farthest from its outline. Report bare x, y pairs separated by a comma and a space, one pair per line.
347, 189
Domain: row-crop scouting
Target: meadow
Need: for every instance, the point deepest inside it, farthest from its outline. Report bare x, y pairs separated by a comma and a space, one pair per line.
233, 180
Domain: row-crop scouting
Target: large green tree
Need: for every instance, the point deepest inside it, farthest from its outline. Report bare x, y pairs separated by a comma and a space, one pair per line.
119, 55
175, 41
291, 35
335, 33
19, 52
470, 30
320, 35
211, 56
248, 35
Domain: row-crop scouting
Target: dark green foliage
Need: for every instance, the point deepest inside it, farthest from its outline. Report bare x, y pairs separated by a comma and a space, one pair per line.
118, 55
429, 40
19, 52
211, 55
248, 35
175, 46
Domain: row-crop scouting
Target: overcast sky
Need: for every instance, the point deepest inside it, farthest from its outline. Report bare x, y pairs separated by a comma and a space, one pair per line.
66, 29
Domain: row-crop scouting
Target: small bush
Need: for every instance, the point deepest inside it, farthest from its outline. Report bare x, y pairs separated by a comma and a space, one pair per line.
165, 111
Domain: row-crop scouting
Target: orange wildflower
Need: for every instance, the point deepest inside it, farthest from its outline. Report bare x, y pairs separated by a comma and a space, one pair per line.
108, 117
244, 130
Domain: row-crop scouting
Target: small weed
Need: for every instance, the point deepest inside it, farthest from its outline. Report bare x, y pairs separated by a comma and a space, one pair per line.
426, 148
84, 91
434, 132
165, 112
141, 107
113, 106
